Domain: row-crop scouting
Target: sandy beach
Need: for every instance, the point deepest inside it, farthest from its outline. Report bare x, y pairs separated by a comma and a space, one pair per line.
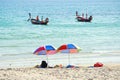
107, 72
25, 42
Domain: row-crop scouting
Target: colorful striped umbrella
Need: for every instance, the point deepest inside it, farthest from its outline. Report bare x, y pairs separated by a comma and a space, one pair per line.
45, 50
68, 48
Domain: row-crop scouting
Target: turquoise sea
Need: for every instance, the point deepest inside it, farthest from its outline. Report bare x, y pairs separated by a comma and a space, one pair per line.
98, 40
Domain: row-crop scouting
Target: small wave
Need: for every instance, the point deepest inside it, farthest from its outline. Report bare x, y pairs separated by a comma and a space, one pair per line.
9, 54
106, 51
15, 54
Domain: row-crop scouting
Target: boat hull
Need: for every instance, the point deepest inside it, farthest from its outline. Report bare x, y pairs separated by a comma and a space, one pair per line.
82, 19
37, 22
85, 20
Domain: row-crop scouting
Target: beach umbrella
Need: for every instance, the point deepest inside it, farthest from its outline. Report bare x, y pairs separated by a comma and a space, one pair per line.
69, 49
45, 50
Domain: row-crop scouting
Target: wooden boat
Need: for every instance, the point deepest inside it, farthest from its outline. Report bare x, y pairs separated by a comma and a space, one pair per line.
37, 21
82, 19
44, 22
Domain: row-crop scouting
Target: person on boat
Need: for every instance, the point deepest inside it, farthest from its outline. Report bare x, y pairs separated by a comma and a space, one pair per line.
82, 15
76, 13
47, 20
42, 18
86, 15
37, 18
77, 16
82, 18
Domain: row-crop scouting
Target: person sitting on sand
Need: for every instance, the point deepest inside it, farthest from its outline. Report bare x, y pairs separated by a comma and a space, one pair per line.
43, 64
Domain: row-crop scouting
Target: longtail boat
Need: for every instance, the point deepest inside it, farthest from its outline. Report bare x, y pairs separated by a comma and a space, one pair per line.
82, 19
37, 21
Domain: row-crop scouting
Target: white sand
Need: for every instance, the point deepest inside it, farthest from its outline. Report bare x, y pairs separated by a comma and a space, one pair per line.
107, 72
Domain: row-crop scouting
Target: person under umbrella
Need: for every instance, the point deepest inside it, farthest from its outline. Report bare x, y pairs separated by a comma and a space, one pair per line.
45, 50
43, 64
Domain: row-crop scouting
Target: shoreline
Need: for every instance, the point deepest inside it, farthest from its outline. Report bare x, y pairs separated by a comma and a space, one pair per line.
75, 59
107, 72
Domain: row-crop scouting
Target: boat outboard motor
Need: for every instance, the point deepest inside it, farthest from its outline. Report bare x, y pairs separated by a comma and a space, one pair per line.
90, 18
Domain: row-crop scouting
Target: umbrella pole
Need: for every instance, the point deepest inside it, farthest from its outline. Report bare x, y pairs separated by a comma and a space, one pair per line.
47, 59
69, 58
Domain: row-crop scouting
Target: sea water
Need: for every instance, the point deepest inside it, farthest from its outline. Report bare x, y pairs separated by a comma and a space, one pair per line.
98, 40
